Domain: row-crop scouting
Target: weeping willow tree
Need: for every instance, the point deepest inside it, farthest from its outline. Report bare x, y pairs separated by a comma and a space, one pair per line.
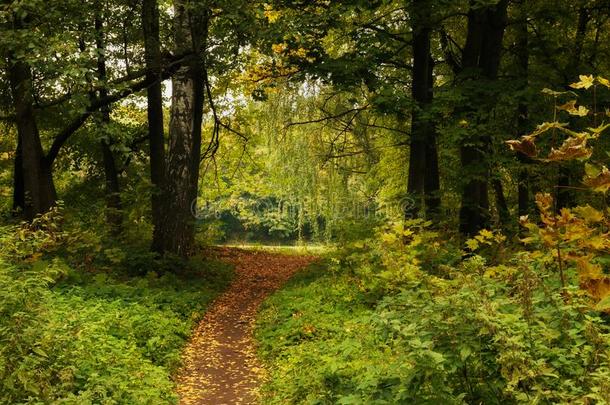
307, 177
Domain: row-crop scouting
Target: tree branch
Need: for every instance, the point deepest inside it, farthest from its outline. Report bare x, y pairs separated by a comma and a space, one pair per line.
98, 103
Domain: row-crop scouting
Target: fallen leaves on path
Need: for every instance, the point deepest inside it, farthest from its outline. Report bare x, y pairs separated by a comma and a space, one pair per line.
220, 364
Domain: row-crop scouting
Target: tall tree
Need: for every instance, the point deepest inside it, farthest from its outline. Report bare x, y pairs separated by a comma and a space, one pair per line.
38, 189
114, 215
153, 58
423, 182
186, 114
34, 190
479, 66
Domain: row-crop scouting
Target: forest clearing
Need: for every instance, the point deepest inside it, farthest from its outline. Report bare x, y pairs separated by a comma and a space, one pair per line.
304, 202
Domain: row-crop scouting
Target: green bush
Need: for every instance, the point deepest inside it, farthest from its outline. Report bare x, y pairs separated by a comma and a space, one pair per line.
374, 328
100, 327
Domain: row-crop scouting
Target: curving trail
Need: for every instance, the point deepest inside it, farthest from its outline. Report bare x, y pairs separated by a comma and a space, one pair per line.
220, 365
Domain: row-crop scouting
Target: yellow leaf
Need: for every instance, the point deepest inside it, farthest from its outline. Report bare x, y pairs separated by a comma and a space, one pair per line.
271, 14
597, 179
572, 148
584, 83
598, 130
472, 244
589, 214
545, 126
569, 106
525, 145
279, 48
487, 234
389, 237
603, 81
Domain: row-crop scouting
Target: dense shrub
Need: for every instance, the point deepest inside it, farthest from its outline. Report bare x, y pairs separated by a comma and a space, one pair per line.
105, 326
375, 327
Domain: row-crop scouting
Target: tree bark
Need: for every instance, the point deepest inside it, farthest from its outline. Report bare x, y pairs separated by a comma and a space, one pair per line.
523, 186
153, 57
38, 187
423, 180
501, 204
184, 152
480, 61
18, 186
114, 215
432, 184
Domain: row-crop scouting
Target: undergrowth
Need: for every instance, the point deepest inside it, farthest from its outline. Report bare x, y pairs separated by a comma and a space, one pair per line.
408, 318
85, 321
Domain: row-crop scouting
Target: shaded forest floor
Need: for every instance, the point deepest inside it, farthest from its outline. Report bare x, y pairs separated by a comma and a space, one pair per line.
220, 365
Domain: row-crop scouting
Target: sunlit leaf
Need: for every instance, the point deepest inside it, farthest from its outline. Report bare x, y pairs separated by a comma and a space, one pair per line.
571, 149
525, 145
584, 83
603, 81
571, 108
597, 178
589, 214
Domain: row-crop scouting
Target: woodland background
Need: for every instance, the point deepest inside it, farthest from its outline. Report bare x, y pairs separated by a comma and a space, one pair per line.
451, 155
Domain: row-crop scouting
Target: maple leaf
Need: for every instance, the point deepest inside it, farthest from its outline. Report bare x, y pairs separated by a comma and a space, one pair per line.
589, 214
472, 244
603, 81
595, 132
584, 83
544, 201
545, 126
525, 145
597, 178
570, 108
572, 148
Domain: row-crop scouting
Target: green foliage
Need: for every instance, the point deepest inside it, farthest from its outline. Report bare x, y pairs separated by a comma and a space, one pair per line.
73, 331
378, 328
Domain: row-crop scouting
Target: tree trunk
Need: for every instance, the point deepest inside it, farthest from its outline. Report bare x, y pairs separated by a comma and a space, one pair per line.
152, 54
38, 188
432, 184
523, 187
480, 61
184, 150
501, 204
114, 215
565, 196
423, 183
18, 186
522, 51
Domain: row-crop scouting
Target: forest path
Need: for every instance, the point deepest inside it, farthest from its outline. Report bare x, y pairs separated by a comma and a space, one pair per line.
220, 364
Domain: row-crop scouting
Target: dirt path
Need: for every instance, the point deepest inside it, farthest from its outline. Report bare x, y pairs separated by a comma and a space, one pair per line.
220, 365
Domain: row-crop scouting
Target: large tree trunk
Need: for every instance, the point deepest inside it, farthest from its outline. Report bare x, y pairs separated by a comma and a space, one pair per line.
423, 182
480, 62
114, 215
185, 135
38, 188
152, 52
